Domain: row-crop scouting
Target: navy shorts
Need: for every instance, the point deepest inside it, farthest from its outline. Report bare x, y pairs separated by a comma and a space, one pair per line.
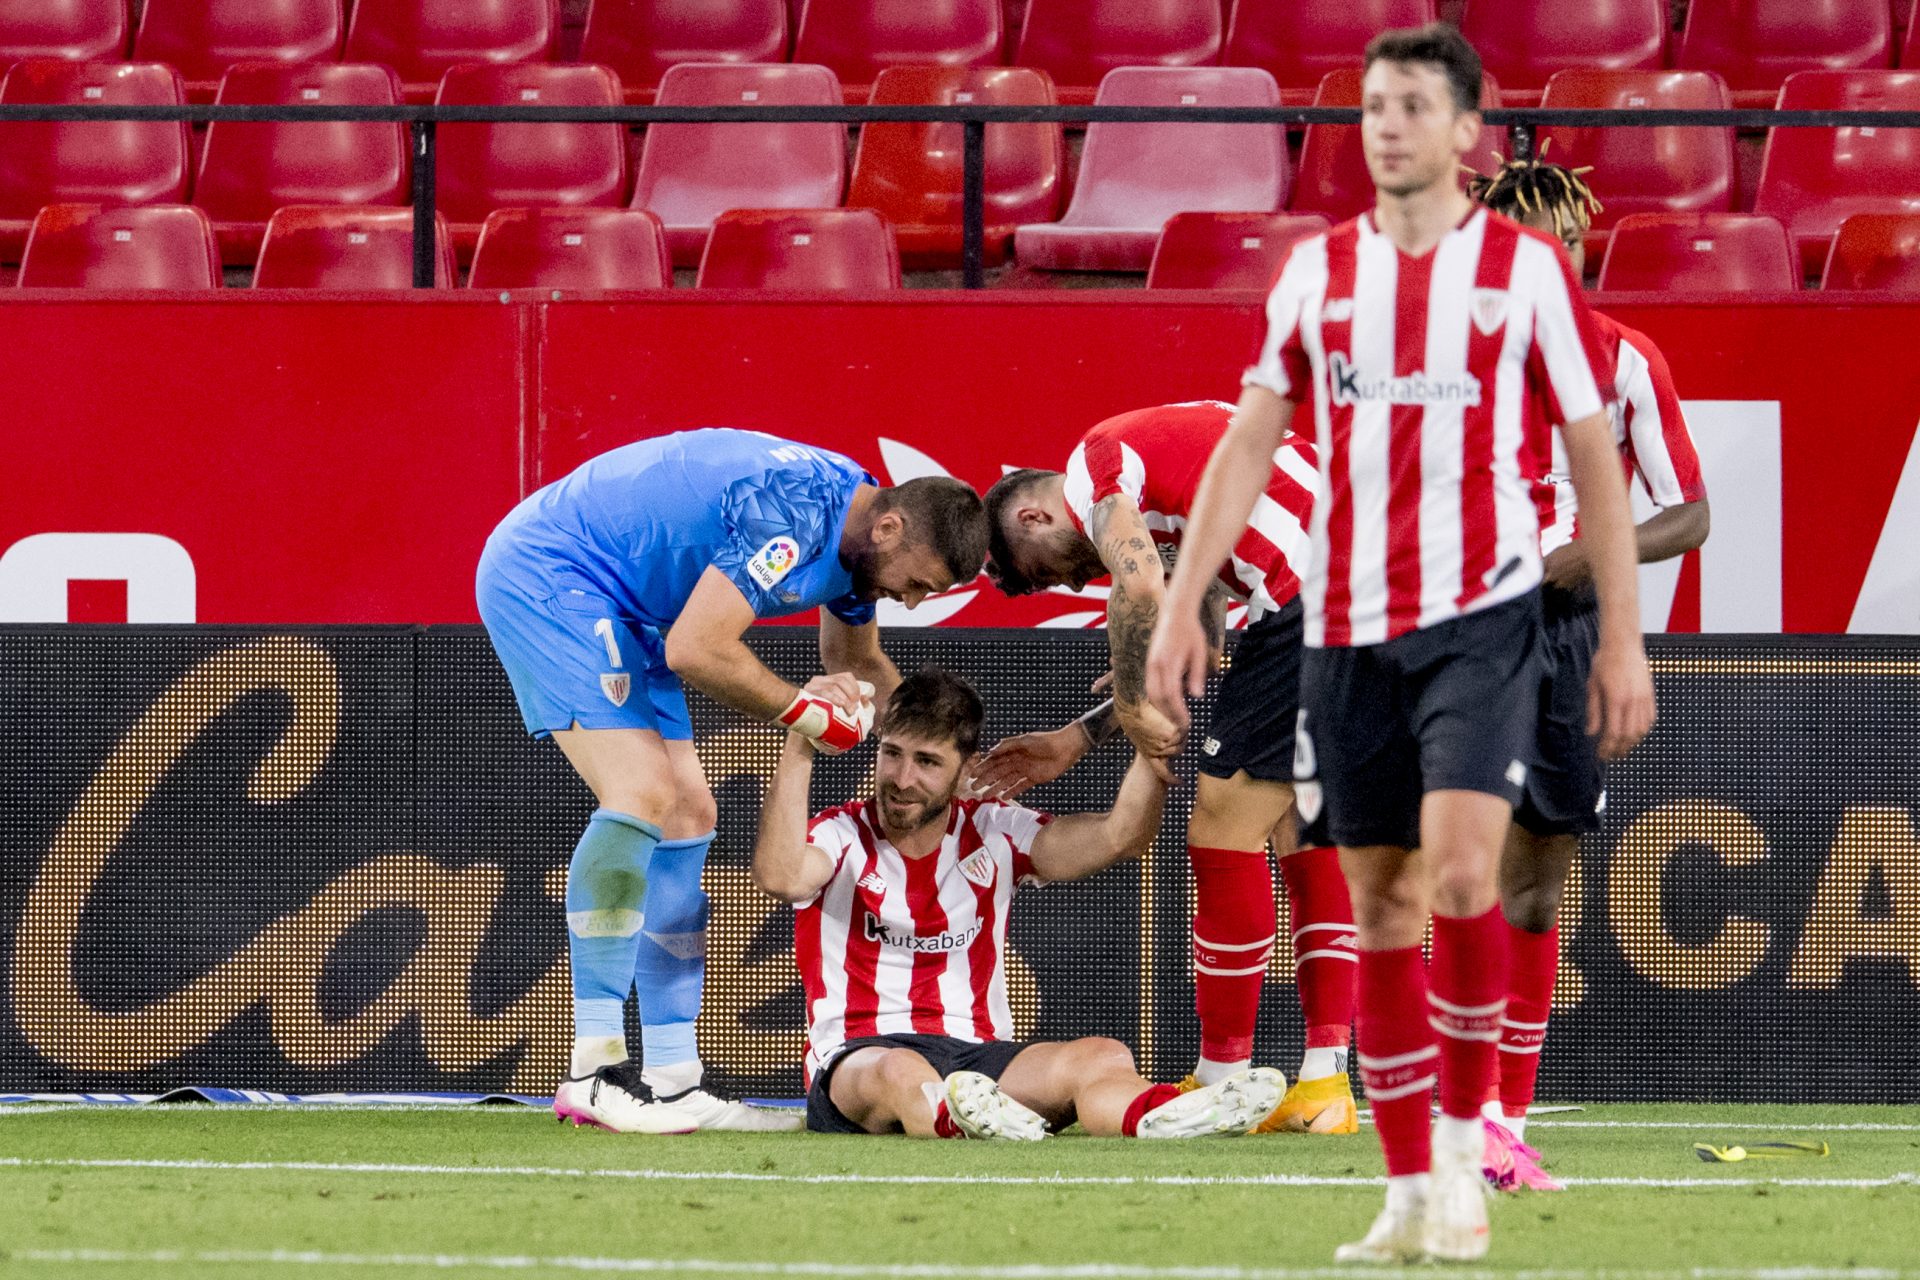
570, 655
1566, 788
1258, 701
1448, 708
944, 1054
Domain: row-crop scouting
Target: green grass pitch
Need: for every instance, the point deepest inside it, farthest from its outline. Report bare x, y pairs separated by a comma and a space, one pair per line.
368, 1194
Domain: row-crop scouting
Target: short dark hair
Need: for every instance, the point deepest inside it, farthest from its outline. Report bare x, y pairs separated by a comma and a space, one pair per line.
1440, 46
944, 514
936, 705
1007, 491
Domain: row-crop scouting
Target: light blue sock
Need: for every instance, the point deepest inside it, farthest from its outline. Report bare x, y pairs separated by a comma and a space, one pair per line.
606, 893
671, 967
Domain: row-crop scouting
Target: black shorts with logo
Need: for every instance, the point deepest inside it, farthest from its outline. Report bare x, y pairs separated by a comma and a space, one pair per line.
1566, 786
1258, 701
945, 1054
1448, 708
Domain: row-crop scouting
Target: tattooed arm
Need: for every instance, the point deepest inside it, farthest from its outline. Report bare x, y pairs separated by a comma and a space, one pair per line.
1139, 585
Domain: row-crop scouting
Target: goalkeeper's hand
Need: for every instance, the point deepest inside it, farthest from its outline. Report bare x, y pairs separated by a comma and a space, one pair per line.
834, 713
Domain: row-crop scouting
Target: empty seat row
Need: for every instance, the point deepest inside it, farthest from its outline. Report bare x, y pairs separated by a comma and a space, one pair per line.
173, 247
344, 247
1133, 177
1753, 44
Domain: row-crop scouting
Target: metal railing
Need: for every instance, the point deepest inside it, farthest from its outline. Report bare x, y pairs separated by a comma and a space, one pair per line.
423, 122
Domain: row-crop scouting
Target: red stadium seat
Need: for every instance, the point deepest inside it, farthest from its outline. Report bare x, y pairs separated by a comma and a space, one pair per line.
1756, 44
803, 249
202, 38
422, 38
1078, 42
1133, 177
1333, 179
1812, 179
692, 173
571, 249
1875, 251
336, 247
249, 169
484, 167
858, 39
153, 246
1227, 250
1658, 170
78, 30
1524, 43
1300, 41
88, 162
1699, 253
911, 173
639, 39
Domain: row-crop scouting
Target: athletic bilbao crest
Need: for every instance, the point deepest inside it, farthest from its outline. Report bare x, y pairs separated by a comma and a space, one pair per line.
616, 685
978, 867
1489, 310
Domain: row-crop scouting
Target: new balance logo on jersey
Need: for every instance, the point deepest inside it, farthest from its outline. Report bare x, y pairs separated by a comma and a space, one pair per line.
873, 884
1336, 310
1350, 388
978, 867
935, 943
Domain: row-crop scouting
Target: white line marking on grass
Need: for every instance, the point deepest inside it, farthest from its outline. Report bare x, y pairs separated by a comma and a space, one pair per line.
902, 1271
1905, 1178
1863, 1127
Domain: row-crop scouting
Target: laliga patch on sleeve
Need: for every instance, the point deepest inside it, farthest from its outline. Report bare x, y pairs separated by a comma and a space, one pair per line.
773, 562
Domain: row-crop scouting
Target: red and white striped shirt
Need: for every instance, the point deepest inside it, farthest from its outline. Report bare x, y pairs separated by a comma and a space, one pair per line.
1420, 371
1647, 423
912, 946
1157, 456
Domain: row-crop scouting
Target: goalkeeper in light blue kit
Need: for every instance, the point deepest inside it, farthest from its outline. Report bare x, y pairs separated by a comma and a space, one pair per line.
606, 590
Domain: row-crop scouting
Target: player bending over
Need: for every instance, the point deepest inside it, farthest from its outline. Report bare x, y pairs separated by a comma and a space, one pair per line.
1426, 333
606, 590
900, 931
1565, 788
1127, 492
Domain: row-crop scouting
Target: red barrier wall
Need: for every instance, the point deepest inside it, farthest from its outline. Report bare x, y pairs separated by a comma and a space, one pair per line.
341, 459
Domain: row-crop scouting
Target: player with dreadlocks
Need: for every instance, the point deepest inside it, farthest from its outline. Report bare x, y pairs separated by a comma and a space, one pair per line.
1565, 791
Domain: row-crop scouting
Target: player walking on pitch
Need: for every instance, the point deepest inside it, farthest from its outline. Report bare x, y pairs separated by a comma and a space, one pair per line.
606, 590
1119, 510
900, 931
1427, 330
1565, 787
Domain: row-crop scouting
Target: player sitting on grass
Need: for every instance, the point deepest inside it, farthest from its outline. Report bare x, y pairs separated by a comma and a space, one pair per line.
900, 930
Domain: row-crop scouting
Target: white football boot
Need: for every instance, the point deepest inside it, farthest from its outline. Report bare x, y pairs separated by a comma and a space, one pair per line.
710, 1113
1457, 1229
1232, 1107
616, 1099
976, 1105
1398, 1235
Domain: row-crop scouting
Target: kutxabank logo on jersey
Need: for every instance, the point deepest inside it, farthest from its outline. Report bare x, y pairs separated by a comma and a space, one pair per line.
1351, 387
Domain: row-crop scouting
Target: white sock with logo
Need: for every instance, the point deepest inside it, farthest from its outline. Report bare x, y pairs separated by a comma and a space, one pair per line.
1211, 1072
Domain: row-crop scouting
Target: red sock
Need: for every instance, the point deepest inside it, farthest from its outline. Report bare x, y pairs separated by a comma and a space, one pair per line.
1324, 949
1398, 1056
943, 1125
1158, 1095
1469, 989
1233, 929
1523, 1029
